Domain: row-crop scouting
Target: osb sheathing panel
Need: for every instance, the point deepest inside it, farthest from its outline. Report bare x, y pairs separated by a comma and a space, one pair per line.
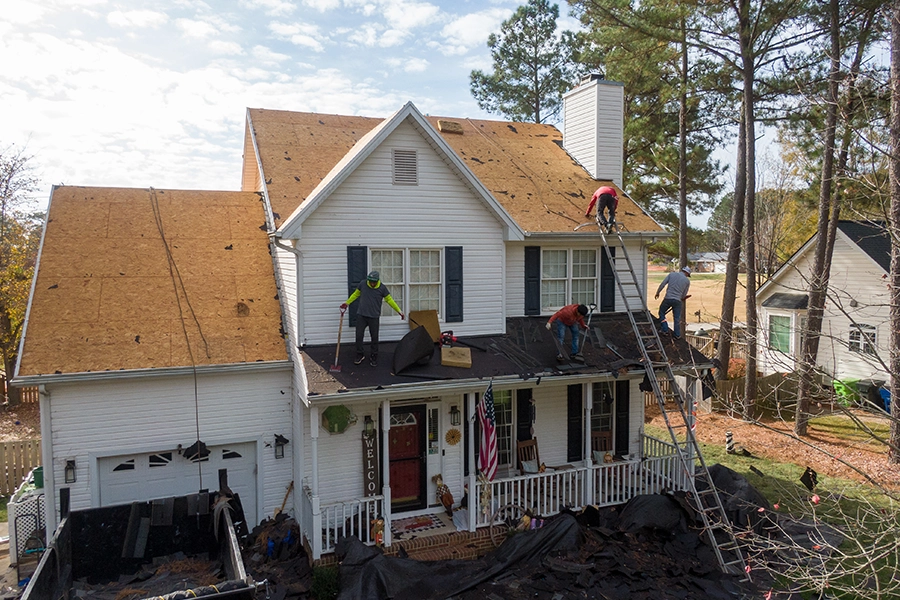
523, 166
104, 297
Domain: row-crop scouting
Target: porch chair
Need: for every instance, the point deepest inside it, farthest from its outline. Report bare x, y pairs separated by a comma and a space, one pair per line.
601, 443
527, 452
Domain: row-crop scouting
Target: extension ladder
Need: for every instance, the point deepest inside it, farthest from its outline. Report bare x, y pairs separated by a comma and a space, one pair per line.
706, 501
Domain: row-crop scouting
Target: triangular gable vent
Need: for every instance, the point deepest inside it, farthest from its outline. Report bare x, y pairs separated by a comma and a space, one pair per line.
406, 171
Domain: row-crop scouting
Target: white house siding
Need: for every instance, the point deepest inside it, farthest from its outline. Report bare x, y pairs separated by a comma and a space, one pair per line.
92, 420
367, 210
515, 280
854, 276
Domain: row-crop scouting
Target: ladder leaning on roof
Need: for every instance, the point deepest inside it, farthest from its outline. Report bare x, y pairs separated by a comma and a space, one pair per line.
706, 501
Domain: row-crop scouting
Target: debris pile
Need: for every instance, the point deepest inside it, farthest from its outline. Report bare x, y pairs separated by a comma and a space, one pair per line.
168, 577
273, 553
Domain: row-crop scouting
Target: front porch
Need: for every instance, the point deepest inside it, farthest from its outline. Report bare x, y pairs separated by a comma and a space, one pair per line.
657, 469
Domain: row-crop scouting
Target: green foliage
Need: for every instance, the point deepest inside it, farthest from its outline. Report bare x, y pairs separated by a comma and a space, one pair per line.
532, 66
19, 240
325, 583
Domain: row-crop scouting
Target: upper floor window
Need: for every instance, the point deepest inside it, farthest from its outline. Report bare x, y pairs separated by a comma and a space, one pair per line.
405, 168
863, 338
780, 333
413, 277
568, 277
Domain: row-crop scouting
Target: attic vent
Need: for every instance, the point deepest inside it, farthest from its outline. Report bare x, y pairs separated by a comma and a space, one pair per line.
406, 170
449, 127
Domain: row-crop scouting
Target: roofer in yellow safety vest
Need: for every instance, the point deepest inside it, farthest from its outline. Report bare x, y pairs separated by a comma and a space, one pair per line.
609, 200
371, 292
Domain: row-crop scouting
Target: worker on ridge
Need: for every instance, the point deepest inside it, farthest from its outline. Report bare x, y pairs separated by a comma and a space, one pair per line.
609, 201
569, 317
371, 292
679, 283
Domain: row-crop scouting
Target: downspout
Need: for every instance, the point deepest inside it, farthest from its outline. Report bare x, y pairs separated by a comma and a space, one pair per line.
47, 460
298, 268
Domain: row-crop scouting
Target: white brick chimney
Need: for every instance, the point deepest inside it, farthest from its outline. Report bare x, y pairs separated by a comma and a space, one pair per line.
593, 126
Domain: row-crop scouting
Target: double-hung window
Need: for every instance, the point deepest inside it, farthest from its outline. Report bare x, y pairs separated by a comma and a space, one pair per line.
503, 414
863, 338
780, 333
568, 276
604, 395
413, 277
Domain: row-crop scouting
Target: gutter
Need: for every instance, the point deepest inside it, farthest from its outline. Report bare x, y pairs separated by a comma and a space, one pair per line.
276, 239
87, 376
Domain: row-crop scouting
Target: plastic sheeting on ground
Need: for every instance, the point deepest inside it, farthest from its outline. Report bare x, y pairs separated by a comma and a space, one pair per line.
365, 573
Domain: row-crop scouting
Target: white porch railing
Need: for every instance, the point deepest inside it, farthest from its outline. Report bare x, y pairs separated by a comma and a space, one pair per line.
544, 493
337, 520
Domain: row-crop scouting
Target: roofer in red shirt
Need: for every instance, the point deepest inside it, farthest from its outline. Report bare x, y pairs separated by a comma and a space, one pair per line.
569, 317
608, 200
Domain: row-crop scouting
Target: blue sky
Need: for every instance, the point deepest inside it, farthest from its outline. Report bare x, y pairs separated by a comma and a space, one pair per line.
141, 93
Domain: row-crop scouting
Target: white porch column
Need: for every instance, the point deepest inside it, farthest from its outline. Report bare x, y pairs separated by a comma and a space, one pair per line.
386, 468
314, 501
588, 396
470, 428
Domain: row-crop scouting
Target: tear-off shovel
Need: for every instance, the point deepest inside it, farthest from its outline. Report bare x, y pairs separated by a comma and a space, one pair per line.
336, 367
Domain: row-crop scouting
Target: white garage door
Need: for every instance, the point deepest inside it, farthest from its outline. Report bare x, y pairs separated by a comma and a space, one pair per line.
140, 477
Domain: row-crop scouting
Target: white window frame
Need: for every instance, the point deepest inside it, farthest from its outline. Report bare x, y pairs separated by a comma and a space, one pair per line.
569, 279
863, 338
601, 420
506, 432
402, 291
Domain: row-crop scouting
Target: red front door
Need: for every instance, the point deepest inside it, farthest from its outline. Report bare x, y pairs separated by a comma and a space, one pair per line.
406, 439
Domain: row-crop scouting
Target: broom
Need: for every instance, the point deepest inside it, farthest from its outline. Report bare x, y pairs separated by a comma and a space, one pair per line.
336, 367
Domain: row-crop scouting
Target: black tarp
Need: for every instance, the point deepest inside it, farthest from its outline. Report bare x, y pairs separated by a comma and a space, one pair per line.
415, 346
365, 573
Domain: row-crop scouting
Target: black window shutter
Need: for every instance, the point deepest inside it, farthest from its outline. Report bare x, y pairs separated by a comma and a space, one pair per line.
621, 415
524, 414
532, 280
453, 260
357, 269
574, 424
607, 283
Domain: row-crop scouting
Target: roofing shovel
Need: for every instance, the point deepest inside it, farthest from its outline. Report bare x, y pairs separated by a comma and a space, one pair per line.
336, 367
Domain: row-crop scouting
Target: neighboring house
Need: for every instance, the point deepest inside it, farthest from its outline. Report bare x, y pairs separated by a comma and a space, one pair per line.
856, 321
708, 262
473, 219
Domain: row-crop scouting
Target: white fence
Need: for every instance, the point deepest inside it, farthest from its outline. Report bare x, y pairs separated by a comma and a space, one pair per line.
326, 524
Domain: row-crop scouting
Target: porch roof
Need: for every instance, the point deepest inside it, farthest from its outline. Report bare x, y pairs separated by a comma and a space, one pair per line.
526, 351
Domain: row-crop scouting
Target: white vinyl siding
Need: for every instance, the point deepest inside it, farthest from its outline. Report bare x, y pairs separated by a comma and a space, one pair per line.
90, 421
593, 128
368, 210
854, 277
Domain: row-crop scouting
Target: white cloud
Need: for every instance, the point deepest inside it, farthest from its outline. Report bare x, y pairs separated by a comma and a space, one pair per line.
392, 37
472, 30
136, 18
409, 15
23, 11
221, 47
196, 29
322, 5
266, 56
299, 34
409, 65
273, 8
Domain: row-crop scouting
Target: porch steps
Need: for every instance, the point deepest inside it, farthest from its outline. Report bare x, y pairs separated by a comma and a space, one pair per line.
679, 418
462, 545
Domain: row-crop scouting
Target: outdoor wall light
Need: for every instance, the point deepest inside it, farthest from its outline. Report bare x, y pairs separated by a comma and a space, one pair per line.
454, 415
280, 443
70, 470
369, 425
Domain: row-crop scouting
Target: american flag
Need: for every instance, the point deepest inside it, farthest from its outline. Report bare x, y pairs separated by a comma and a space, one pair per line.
487, 455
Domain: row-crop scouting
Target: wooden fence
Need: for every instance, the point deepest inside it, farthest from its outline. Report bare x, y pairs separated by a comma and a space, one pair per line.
29, 395
16, 460
708, 346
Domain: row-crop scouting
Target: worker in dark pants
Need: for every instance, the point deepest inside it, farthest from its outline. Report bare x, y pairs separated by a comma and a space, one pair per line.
678, 282
371, 292
606, 200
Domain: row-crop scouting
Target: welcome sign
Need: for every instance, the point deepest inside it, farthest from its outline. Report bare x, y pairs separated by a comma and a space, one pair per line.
371, 485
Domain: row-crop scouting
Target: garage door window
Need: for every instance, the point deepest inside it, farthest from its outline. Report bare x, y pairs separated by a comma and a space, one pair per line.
128, 465
160, 460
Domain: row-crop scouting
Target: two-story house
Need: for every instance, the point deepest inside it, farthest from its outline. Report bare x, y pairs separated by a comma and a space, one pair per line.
157, 322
